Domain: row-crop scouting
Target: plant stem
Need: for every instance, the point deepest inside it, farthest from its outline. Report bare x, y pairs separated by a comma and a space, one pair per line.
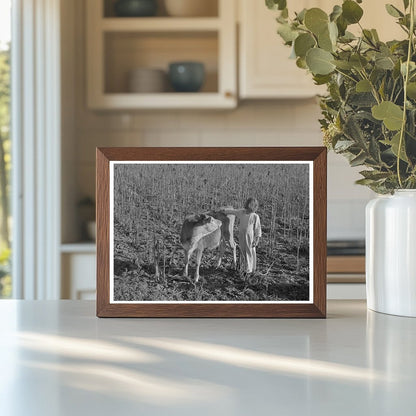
406, 80
373, 88
346, 75
392, 91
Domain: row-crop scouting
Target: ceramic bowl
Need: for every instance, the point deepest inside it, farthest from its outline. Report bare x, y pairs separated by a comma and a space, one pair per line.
147, 80
135, 8
191, 8
186, 76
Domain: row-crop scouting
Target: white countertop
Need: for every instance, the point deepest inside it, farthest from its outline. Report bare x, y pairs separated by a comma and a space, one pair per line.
57, 358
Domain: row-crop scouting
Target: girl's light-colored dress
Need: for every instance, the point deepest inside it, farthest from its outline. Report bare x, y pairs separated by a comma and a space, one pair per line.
249, 231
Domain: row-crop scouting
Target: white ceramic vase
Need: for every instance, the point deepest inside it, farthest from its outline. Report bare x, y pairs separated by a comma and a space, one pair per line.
391, 253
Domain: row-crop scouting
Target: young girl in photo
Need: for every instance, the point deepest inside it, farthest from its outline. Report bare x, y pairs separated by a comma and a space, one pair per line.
249, 233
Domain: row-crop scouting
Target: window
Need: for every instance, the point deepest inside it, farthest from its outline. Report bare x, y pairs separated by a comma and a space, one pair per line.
5, 145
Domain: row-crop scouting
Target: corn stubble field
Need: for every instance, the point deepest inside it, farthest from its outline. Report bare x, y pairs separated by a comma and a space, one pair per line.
151, 202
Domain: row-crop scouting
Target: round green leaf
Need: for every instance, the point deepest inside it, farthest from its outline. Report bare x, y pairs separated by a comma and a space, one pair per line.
342, 25
303, 43
328, 38
333, 32
319, 61
322, 79
284, 14
336, 12
301, 63
384, 62
316, 20
395, 144
325, 42
344, 65
363, 86
403, 70
347, 37
358, 61
375, 35
276, 4
391, 114
287, 33
301, 15
411, 90
393, 11
351, 11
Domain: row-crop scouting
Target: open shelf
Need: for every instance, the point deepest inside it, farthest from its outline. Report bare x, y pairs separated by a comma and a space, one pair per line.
126, 51
211, 9
87, 247
160, 24
119, 45
167, 100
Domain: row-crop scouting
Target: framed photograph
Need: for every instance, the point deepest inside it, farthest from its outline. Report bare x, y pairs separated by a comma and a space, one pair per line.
211, 232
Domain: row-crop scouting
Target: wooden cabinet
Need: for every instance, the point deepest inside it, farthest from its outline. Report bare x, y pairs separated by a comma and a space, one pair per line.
265, 69
346, 269
117, 45
346, 277
78, 262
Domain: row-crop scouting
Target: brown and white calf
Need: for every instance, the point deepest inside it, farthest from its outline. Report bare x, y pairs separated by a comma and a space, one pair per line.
227, 234
207, 231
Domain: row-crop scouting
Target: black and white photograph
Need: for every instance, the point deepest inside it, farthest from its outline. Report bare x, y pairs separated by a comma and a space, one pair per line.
210, 232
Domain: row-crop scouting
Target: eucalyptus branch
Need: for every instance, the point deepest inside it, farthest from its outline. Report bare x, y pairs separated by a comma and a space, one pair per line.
358, 45
342, 49
392, 91
409, 134
370, 64
398, 95
404, 28
373, 88
369, 40
346, 75
406, 80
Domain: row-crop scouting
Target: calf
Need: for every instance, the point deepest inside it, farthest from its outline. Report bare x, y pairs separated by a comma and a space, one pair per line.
227, 234
208, 230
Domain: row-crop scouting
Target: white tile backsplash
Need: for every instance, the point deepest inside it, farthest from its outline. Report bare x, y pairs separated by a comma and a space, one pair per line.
346, 219
215, 120
341, 180
170, 138
229, 138
148, 120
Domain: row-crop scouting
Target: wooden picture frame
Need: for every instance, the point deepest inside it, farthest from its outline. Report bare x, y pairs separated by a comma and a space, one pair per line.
315, 157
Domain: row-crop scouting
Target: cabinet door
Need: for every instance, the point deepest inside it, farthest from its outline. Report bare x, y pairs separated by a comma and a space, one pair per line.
78, 276
265, 68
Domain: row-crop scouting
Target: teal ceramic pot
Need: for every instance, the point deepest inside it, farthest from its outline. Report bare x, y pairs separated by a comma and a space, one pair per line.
186, 76
135, 8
